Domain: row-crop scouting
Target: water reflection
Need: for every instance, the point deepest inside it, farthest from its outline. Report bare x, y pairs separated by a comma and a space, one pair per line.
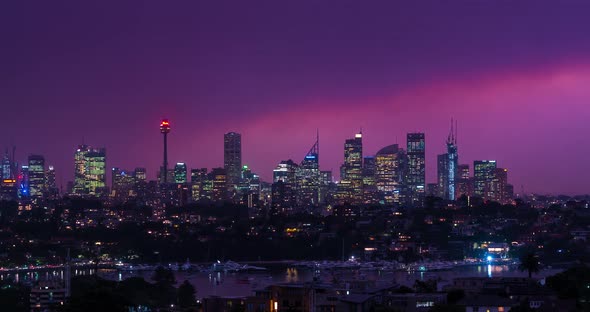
243, 283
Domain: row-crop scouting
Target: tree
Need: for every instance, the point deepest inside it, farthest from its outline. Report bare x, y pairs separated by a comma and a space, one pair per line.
186, 295
530, 263
164, 281
163, 277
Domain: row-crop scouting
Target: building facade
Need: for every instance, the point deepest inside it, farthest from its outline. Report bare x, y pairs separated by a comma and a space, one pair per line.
416, 169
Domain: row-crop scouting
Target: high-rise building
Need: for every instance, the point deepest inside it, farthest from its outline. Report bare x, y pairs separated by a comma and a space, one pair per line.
352, 182
483, 174
442, 175
51, 188
416, 169
284, 187
23, 182
464, 182
370, 195
389, 173
140, 186
308, 177
36, 176
452, 162
180, 172
232, 157
80, 169
95, 180
165, 129
7, 167
249, 188
219, 178
500, 189
90, 171
123, 184
198, 180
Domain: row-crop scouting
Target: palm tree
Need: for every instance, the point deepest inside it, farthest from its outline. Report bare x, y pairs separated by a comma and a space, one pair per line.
530, 263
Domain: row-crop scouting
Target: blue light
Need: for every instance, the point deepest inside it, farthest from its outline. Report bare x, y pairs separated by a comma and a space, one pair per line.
489, 258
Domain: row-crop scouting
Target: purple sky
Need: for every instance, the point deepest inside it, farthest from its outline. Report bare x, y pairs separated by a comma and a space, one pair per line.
516, 75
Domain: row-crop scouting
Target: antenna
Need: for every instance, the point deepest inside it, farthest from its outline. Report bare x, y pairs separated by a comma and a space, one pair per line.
456, 132
317, 142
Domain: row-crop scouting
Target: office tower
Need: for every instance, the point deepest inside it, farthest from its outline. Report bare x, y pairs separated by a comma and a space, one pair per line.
90, 171
370, 195
95, 179
483, 174
7, 167
442, 175
23, 182
80, 169
198, 179
249, 188
36, 176
450, 192
416, 169
389, 173
115, 178
165, 129
463, 172
352, 183
8, 189
284, 187
51, 188
140, 184
499, 188
232, 157
123, 184
180, 172
218, 176
464, 182
308, 177
140, 174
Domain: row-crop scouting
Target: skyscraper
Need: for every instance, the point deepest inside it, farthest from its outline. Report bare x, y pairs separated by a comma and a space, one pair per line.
23, 182
90, 171
80, 169
36, 176
389, 173
140, 183
416, 169
7, 167
219, 178
483, 174
180, 172
95, 178
450, 192
308, 177
232, 157
198, 180
464, 182
369, 188
165, 129
51, 184
442, 175
123, 184
353, 169
284, 187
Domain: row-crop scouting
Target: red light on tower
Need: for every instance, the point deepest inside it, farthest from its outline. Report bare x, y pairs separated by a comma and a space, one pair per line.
164, 126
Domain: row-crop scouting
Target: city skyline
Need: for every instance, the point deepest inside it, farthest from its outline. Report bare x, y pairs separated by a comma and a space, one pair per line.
156, 175
516, 81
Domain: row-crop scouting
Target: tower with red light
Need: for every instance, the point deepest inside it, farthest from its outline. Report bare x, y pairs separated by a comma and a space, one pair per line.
165, 129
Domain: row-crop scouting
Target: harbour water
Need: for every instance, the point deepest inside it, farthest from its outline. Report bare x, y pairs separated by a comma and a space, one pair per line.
237, 284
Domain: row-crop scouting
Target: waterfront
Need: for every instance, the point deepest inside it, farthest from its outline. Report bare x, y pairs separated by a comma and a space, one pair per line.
237, 284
